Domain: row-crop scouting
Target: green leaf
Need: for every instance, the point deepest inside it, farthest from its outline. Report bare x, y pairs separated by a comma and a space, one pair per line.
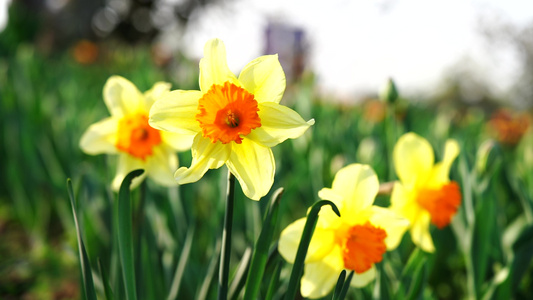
273, 285
240, 275
307, 234
338, 286
105, 281
523, 253
413, 277
86, 273
184, 258
346, 286
262, 246
123, 215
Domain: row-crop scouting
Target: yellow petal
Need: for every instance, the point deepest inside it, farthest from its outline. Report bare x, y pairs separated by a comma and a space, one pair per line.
162, 164
358, 184
122, 97
127, 163
361, 280
253, 165
153, 94
264, 77
100, 137
214, 67
413, 158
320, 245
441, 171
320, 277
205, 156
278, 123
176, 112
420, 232
178, 141
392, 223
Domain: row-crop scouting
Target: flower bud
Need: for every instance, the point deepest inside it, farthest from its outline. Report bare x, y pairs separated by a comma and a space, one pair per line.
389, 93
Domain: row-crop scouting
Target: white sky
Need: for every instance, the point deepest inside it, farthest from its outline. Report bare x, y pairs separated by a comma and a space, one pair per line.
357, 44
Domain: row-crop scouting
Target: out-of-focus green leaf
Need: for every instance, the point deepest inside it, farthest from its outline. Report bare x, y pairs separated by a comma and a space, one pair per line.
86, 272
123, 216
262, 247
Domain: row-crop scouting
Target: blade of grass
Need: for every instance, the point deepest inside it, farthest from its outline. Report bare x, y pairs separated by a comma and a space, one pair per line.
225, 254
240, 275
211, 269
346, 286
86, 273
184, 259
262, 246
309, 228
123, 215
338, 286
105, 281
273, 285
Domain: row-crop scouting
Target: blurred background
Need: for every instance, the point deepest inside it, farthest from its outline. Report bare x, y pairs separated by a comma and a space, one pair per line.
464, 69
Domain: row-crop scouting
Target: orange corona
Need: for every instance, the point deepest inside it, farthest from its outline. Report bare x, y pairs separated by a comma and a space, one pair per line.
227, 112
442, 204
136, 137
363, 245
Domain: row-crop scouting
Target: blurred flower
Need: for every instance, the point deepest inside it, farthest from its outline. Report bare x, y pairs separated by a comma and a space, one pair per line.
509, 127
354, 241
424, 193
234, 121
85, 52
374, 111
127, 133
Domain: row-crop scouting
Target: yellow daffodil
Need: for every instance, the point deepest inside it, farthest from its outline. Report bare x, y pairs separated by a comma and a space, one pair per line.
425, 193
234, 121
354, 241
127, 133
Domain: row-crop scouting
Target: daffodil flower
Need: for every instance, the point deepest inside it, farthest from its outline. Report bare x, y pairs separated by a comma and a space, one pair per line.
354, 241
424, 193
127, 133
234, 121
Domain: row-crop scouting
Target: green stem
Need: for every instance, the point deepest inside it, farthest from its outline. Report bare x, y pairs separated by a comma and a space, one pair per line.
307, 234
226, 241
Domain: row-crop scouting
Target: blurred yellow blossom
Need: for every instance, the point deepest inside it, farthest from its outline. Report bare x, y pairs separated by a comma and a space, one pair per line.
127, 133
424, 193
354, 241
234, 121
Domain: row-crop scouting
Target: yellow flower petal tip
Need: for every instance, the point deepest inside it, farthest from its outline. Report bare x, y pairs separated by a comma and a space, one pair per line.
127, 133
235, 120
425, 195
354, 241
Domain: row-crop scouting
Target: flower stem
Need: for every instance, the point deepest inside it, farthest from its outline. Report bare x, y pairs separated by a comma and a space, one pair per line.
226, 240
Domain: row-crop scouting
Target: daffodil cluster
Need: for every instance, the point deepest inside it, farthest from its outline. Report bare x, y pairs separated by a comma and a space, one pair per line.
235, 121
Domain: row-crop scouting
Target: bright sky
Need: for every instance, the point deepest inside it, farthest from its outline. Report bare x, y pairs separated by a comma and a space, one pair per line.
357, 44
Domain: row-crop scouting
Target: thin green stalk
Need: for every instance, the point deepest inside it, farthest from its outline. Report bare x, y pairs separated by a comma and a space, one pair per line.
86, 273
125, 237
338, 286
223, 277
262, 246
307, 233
346, 286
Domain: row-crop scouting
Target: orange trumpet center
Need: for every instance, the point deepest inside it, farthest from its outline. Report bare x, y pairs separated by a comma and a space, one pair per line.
442, 204
227, 112
364, 245
136, 137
